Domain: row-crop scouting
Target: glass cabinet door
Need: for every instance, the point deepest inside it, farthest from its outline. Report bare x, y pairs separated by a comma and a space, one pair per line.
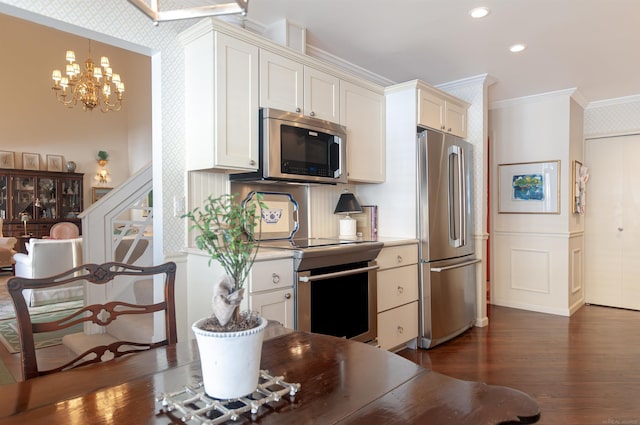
46, 202
4, 180
23, 198
71, 198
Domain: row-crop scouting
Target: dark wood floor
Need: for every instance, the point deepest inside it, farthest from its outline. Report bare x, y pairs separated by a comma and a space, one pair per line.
582, 370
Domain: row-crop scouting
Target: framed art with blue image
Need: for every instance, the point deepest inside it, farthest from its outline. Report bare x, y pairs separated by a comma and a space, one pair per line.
529, 188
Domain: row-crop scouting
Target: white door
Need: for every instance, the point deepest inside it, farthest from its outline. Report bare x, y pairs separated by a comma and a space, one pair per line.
612, 223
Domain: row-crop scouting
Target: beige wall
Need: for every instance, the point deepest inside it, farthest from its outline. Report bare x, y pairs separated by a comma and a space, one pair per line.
33, 121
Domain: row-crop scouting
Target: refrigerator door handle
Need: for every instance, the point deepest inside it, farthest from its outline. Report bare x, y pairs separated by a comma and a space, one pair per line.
455, 266
462, 191
456, 200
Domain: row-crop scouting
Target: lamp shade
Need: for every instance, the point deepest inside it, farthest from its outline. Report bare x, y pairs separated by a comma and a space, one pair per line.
347, 204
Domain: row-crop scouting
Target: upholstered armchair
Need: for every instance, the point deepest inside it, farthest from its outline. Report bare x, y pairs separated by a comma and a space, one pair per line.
64, 230
47, 257
6, 249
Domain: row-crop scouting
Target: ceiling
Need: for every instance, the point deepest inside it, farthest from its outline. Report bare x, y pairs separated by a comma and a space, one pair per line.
591, 45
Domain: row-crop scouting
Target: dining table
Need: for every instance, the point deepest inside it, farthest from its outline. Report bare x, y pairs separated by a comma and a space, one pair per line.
338, 381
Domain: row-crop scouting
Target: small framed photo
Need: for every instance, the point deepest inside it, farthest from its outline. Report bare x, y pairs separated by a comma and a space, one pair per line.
54, 162
7, 159
30, 161
99, 192
529, 188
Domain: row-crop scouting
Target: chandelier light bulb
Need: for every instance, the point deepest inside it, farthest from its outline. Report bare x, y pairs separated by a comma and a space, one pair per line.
56, 75
71, 56
104, 62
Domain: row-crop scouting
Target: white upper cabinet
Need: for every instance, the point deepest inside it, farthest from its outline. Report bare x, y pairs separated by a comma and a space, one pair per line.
291, 86
281, 82
362, 112
321, 95
438, 110
221, 74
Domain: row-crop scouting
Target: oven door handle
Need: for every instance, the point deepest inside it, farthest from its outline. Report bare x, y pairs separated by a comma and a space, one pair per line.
337, 274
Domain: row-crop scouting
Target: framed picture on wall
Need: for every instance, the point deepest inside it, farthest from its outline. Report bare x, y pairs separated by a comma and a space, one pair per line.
529, 188
30, 161
99, 192
7, 159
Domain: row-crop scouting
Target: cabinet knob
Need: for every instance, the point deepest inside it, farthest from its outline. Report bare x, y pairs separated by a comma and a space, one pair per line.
620, 229
449, 129
399, 259
252, 162
275, 278
298, 110
442, 127
313, 114
400, 330
400, 290
287, 296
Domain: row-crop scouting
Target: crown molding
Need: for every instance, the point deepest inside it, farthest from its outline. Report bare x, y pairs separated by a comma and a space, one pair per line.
615, 101
484, 79
572, 93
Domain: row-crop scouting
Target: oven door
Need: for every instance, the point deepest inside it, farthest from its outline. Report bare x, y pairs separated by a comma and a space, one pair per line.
339, 301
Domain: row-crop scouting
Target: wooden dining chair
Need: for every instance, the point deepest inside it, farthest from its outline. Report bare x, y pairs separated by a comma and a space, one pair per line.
131, 295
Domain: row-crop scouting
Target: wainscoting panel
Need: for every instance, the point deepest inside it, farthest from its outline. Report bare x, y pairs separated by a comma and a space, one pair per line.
576, 270
530, 270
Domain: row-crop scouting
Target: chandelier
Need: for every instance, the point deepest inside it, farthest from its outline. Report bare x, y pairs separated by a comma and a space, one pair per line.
152, 10
93, 86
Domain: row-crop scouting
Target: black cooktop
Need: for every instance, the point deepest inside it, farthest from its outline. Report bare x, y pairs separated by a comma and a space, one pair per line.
305, 243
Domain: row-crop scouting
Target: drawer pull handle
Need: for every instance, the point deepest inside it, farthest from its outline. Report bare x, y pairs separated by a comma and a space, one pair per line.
400, 290
287, 296
399, 259
400, 330
275, 278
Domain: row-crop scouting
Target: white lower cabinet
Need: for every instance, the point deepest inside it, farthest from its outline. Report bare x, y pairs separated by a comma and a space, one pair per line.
270, 290
398, 325
276, 305
397, 295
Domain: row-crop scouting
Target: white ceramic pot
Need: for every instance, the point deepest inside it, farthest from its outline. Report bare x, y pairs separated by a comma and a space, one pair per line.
230, 361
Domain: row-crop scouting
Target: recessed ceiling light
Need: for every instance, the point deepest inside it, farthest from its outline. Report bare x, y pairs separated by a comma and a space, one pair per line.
517, 48
479, 12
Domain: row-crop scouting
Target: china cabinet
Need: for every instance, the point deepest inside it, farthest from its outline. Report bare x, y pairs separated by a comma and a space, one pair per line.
32, 201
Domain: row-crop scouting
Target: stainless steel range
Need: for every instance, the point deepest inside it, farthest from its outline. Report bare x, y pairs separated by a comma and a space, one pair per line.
335, 286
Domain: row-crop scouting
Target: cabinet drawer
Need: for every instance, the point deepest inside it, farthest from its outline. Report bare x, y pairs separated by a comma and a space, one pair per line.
395, 256
398, 326
268, 275
397, 286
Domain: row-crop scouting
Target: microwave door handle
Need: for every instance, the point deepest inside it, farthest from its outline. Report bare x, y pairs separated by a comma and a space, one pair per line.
334, 158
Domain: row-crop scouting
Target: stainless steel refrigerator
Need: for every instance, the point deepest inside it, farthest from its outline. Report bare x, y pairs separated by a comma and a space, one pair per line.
446, 251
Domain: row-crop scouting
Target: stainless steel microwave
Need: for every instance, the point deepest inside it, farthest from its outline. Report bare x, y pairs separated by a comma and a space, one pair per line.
299, 148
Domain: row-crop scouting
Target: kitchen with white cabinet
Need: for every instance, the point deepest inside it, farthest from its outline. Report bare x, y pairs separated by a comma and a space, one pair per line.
281, 78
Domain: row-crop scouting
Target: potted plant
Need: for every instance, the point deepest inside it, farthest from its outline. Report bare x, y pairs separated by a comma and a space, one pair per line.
102, 158
230, 341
